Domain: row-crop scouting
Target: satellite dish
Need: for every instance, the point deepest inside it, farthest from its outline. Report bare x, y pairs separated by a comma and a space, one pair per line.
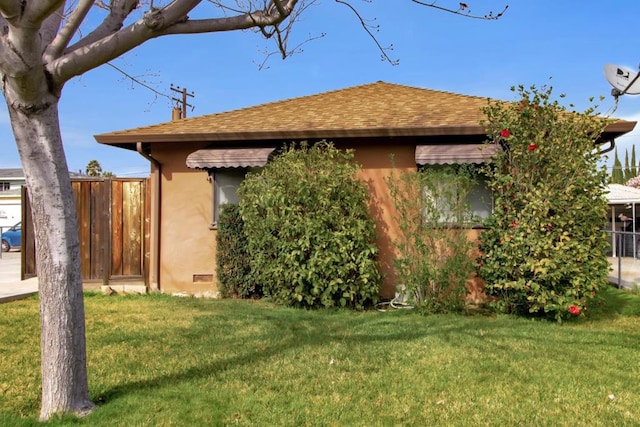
624, 80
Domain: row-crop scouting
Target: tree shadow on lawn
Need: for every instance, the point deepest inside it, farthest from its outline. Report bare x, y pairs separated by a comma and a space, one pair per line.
614, 302
280, 330
286, 331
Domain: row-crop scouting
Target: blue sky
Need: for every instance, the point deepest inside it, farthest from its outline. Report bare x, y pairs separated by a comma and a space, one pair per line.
561, 43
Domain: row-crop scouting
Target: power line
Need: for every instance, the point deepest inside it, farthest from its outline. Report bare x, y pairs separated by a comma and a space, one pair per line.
182, 102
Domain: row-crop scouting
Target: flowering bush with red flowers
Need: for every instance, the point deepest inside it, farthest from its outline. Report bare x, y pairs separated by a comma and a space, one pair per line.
574, 310
547, 181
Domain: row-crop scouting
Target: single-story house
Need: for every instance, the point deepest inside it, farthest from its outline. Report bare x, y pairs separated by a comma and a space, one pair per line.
197, 163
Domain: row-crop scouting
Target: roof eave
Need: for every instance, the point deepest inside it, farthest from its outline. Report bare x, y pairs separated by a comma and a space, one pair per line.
126, 139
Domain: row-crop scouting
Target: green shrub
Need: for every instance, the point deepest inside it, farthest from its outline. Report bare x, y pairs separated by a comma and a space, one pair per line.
311, 238
435, 257
544, 251
232, 259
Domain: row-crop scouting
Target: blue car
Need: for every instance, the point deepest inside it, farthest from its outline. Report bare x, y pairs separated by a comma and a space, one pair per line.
12, 238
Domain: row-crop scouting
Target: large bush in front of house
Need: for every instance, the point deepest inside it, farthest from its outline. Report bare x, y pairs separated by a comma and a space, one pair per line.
311, 238
232, 259
435, 257
544, 250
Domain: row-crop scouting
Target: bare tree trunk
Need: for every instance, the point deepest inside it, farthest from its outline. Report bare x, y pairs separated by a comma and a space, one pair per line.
63, 346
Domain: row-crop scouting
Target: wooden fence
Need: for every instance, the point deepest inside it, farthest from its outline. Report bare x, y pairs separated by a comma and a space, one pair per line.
113, 224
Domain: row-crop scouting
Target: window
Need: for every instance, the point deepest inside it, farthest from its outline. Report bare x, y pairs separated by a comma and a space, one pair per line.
5, 186
226, 182
225, 187
461, 183
455, 194
227, 168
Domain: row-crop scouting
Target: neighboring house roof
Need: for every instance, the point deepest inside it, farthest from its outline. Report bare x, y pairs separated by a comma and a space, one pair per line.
372, 110
618, 194
12, 174
18, 174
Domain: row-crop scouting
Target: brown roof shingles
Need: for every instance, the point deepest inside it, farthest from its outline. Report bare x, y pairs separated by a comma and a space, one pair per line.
371, 110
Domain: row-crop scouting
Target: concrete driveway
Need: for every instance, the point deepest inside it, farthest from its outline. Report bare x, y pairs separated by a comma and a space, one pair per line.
11, 287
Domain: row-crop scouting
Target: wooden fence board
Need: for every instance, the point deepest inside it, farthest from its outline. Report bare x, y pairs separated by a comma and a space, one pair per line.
81, 194
97, 229
28, 249
116, 228
132, 229
113, 226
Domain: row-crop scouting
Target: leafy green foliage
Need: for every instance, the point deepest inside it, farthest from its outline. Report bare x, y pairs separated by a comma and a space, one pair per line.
435, 257
544, 251
95, 169
232, 260
311, 238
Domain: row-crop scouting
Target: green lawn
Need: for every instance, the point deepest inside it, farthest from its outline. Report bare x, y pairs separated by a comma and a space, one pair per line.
165, 361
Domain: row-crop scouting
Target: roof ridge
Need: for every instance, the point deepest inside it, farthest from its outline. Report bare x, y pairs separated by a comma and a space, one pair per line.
367, 110
319, 94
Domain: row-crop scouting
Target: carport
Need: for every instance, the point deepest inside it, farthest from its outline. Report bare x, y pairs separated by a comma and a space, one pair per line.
623, 220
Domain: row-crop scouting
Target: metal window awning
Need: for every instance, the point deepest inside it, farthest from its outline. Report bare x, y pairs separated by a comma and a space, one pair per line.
209, 158
455, 153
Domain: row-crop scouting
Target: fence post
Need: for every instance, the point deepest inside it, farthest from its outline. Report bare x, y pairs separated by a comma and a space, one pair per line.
621, 245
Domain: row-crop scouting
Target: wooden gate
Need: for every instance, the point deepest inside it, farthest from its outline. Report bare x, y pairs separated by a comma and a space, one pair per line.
113, 224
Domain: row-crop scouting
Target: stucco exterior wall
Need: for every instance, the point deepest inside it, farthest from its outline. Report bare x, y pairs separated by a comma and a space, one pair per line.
377, 166
187, 244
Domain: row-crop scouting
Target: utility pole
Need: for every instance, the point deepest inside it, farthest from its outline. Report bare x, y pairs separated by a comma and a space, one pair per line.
182, 102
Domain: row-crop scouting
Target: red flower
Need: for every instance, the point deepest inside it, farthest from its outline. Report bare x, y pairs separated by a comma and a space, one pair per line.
513, 225
535, 107
505, 133
532, 147
575, 310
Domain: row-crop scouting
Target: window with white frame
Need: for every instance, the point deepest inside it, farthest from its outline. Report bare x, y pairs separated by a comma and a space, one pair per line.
226, 182
456, 195
467, 160
5, 186
225, 188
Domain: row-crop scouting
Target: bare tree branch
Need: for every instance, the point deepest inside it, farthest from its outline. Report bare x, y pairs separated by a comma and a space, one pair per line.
60, 42
138, 81
462, 7
118, 12
36, 12
83, 57
369, 29
51, 26
289, 52
176, 11
10, 10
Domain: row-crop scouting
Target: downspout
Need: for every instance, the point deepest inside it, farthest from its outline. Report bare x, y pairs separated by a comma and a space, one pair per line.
612, 145
155, 220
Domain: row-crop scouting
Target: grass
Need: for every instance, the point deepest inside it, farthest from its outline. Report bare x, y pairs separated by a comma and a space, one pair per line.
165, 361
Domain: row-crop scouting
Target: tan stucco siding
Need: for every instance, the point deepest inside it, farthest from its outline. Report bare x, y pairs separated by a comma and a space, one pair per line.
187, 244
377, 167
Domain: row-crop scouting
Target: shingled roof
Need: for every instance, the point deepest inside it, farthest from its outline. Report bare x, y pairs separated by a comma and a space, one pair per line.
372, 110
